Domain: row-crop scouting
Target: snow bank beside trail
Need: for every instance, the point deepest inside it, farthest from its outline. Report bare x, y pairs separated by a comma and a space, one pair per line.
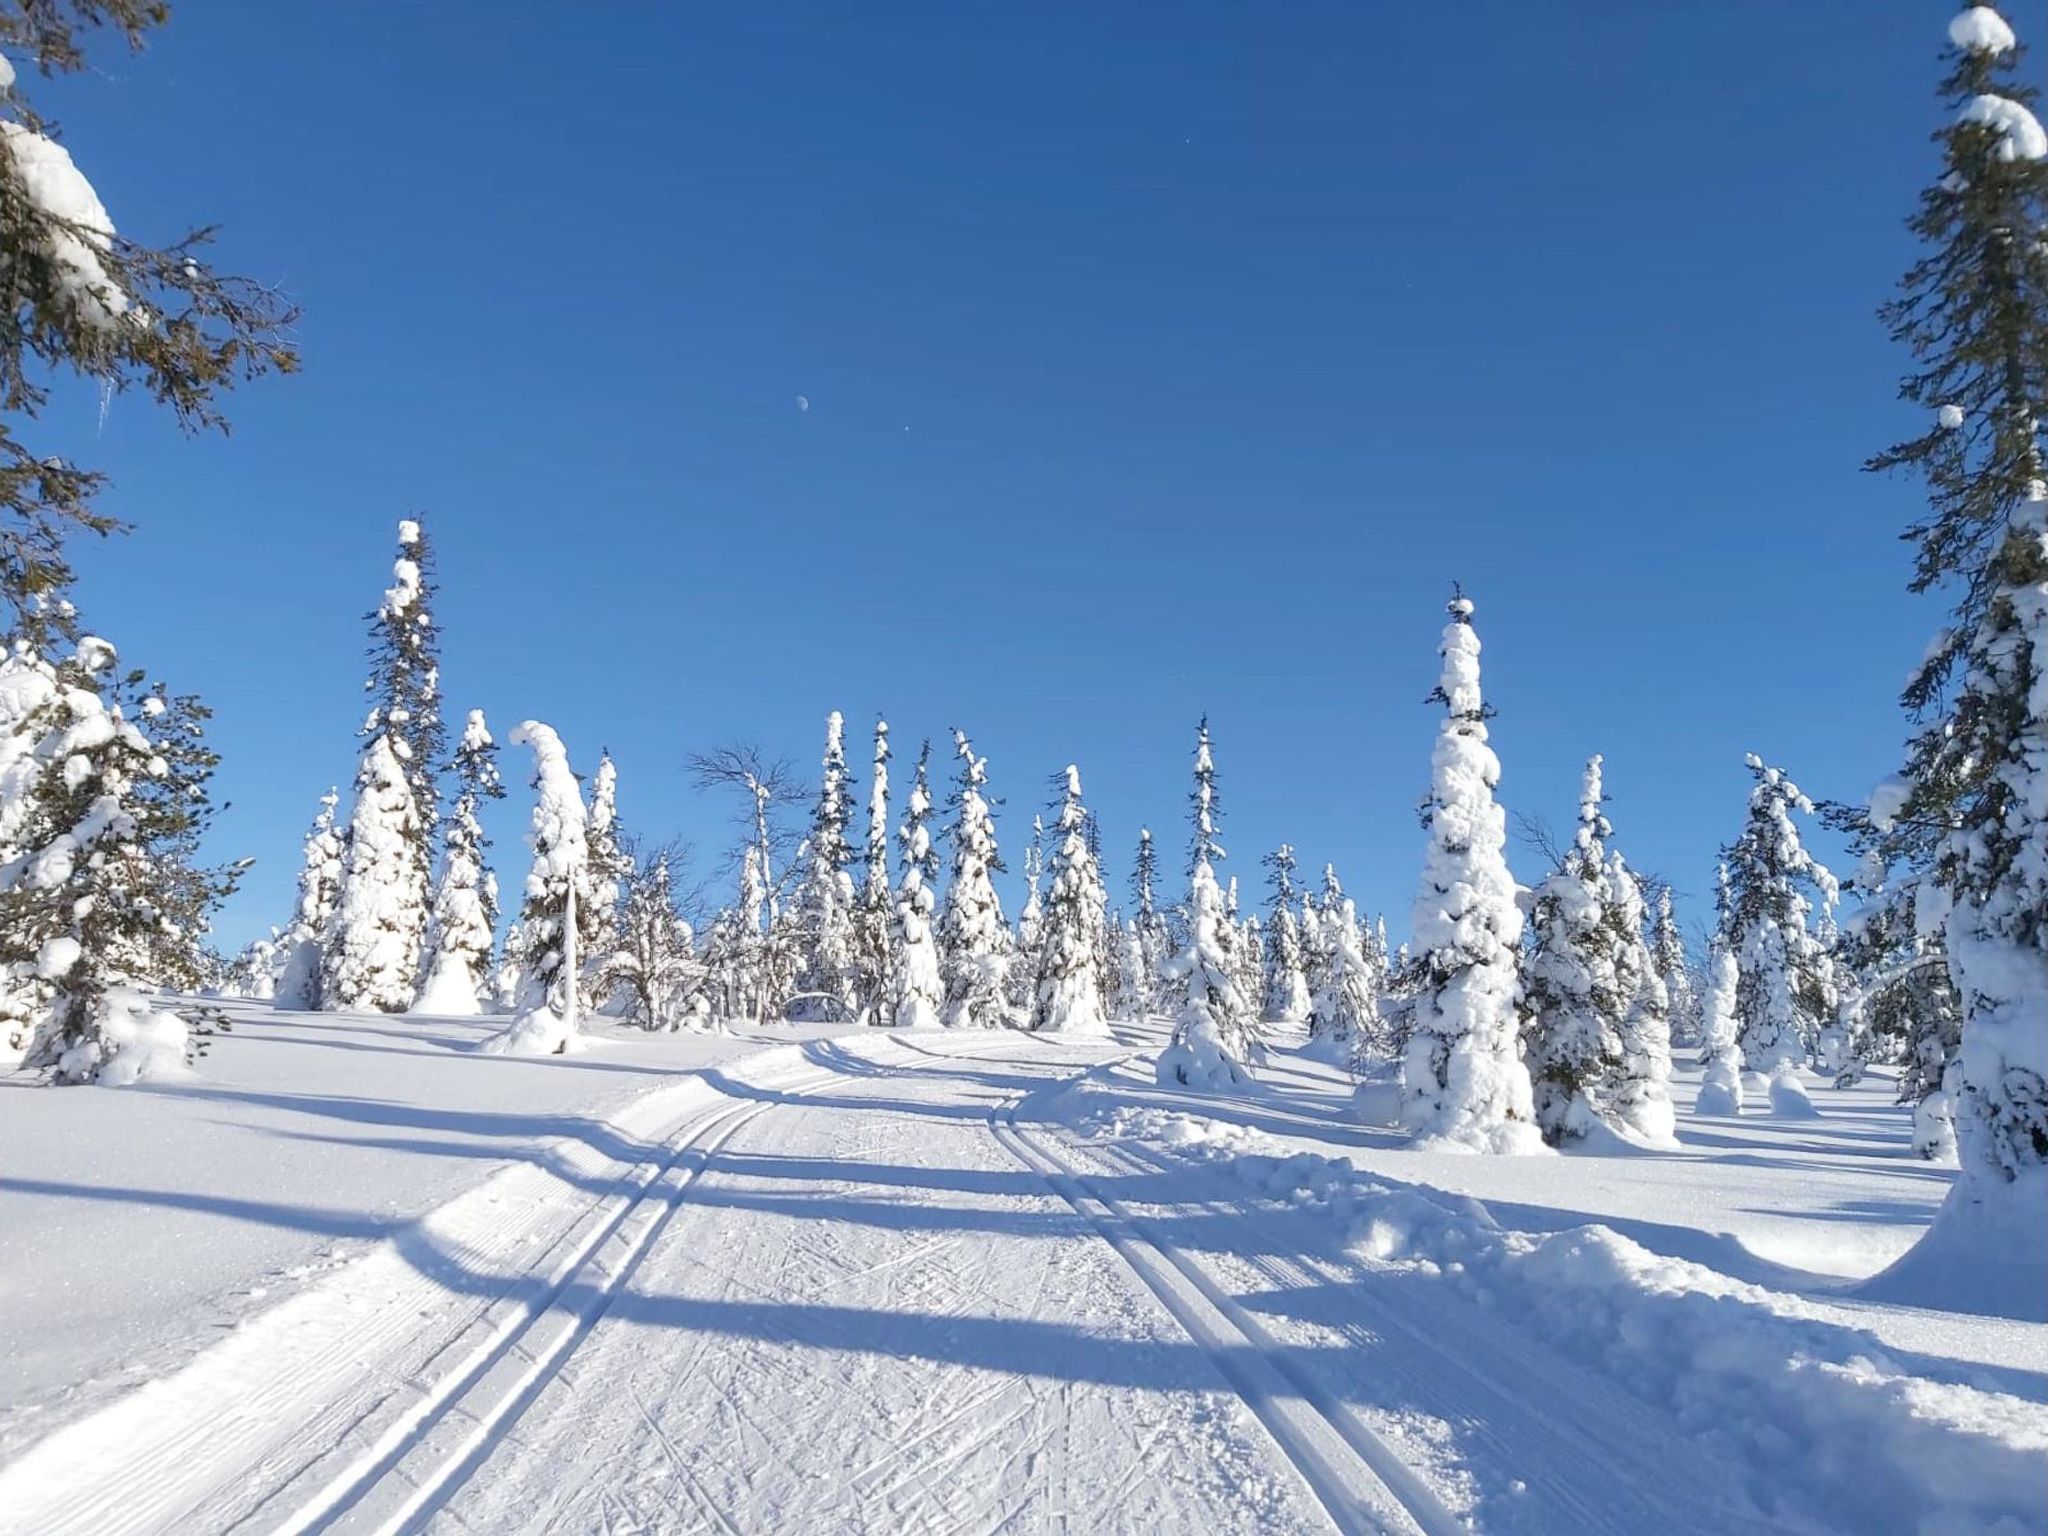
1830, 1422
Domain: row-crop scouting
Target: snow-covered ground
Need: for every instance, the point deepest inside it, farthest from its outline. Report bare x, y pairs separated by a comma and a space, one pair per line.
361, 1277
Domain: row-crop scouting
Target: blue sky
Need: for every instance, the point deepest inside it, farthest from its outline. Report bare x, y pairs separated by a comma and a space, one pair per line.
1162, 360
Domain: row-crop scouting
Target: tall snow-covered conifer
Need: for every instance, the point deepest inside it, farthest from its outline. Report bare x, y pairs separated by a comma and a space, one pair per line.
918, 990
974, 943
1071, 979
874, 926
465, 918
1287, 999
1971, 808
372, 952
607, 871
1148, 925
1213, 1036
300, 945
1463, 1079
558, 839
1784, 995
1573, 993
827, 985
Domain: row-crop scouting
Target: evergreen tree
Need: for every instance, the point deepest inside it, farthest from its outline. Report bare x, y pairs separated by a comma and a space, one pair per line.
371, 955
1638, 1093
656, 969
1213, 1035
873, 918
1022, 980
1574, 993
974, 942
918, 989
372, 952
1970, 811
304, 938
1667, 953
85, 302
1911, 1013
1344, 1017
1462, 1077
1286, 990
1071, 980
1148, 924
1721, 1089
558, 839
1784, 995
405, 677
103, 798
607, 870
465, 916
822, 909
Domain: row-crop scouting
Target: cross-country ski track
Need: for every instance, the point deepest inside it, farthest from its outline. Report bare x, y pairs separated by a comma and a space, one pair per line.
866, 1284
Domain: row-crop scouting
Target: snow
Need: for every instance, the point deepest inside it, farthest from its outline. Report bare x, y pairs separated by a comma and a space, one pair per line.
1949, 417
1980, 29
59, 189
2025, 139
788, 1280
57, 956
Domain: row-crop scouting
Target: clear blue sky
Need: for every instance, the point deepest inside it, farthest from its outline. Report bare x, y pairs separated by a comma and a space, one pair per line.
1161, 360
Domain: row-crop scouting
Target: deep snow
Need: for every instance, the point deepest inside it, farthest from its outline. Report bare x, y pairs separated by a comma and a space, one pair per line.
361, 1275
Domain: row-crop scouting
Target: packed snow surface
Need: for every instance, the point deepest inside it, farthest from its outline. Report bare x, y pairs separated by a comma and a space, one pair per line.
788, 1279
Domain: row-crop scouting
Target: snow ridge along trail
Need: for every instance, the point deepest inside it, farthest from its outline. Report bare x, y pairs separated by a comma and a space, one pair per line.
1359, 1480
299, 1414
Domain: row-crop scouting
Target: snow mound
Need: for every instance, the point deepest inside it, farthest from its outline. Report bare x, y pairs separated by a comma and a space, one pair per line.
1790, 1100
1719, 1095
1835, 1427
449, 991
1986, 1253
1196, 1059
539, 1031
145, 1044
1980, 29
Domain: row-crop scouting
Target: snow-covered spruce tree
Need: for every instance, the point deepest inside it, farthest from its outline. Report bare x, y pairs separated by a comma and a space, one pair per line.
1638, 1093
1071, 982
1721, 1089
1022, 980
1674, 969
84, 301
1148, 924
1344, 1023
558, 837
1213, 1037
405, 675
1784, 995
465, 916
1463, 1081
1971, 809
874, 929
1573, 995
371, 954
1912, 1015
607, 869
974, 942
370, 957
304, 938
827, 985
102, 800
916, 986
656, 971
1286, 989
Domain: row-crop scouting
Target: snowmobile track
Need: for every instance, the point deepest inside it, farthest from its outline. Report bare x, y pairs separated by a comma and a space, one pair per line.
1362, 1484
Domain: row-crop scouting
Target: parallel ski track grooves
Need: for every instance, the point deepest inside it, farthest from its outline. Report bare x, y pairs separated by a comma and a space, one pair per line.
1595, 1512
1249, 1359
499, 1404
